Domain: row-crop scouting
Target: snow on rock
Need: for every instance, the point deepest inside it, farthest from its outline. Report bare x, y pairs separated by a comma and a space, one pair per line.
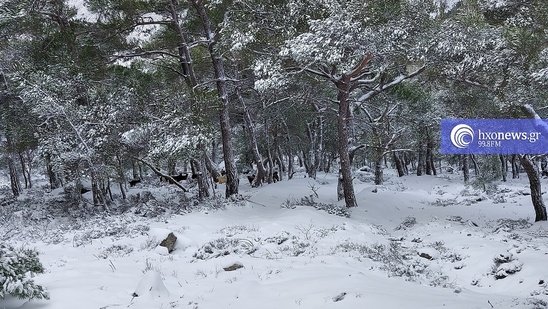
233, 266
158, 234
428, 253
161, 250
506, 269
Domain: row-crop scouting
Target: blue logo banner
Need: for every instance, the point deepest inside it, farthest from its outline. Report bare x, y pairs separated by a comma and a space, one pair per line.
494, 136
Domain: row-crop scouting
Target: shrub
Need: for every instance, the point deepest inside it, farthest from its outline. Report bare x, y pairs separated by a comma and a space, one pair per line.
17, 266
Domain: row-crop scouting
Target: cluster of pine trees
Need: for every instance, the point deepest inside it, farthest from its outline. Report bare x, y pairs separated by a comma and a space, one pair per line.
93, 89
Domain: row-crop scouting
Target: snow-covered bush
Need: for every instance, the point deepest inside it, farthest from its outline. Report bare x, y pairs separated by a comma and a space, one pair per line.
17, 267
505, 265
332, 209
222, 247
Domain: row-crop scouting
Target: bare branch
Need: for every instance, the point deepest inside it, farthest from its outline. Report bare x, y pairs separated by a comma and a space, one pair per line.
470, 82
159, 173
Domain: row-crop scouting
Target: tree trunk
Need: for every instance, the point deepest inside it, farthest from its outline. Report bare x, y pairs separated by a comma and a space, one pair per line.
279, 160
54, 181
430, 167
270, 163
290, 168
98, 195
14, 175
475, 163
185, 59
465, 168
203, 188
135, 170
171, 165
24, 171
379, 177
421, 160
345, 177
232, 180
122, 176
503, 166
210, 166
399, 164
253, 145
536, 188
515, 166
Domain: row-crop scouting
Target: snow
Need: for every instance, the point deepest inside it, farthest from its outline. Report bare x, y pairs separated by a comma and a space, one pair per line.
300, 257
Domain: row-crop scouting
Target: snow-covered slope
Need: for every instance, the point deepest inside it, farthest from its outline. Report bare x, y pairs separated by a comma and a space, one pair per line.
417, 242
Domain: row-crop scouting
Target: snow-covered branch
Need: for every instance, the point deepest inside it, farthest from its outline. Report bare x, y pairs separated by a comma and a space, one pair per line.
382, 87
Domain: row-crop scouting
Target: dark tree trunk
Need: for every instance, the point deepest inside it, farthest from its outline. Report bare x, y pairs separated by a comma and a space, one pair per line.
26, 177
232, 180
308, 165
98, 194
430, 167
54, 181
14, 175
121, 175
465, 168
503, 166
290, 168
345, 177
515, 166
421, 160
203, 188
171, 165
379, 174
253, 145
270, 163
398, 163
135, 170
536, 188
475, 163
185, 59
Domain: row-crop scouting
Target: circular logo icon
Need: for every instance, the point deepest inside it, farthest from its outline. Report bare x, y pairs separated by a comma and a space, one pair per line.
462, 135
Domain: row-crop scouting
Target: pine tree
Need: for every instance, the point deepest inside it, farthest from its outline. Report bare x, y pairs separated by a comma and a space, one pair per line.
17, 267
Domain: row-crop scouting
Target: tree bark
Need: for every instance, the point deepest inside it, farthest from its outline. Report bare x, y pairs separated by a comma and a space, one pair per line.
232, 180
399, 164
503, 166
421, 160
515, 166
53, 178
536, 188
345, 177
379, 174
253, 145
14, 175
465, 168
203, 188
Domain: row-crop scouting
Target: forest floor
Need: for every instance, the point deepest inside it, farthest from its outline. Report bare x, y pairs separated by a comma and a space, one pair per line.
415, 242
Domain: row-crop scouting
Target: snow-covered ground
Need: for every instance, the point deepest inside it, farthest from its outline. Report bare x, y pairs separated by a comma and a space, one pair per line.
416, 242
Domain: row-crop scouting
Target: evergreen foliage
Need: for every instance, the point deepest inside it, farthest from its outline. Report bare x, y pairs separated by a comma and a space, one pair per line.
17, 267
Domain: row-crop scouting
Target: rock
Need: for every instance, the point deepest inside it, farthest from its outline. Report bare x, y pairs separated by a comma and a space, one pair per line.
428, 253
233, 266
339, 297
169, 242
